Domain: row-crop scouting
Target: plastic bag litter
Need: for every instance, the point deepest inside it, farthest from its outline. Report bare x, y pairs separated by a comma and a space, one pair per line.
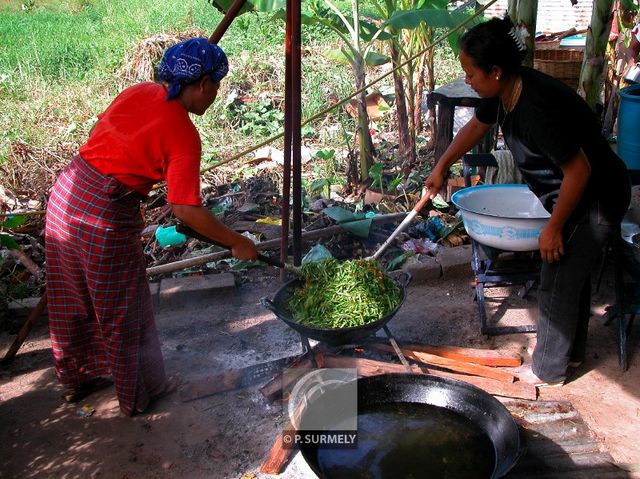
86, 411
317, 253
270, 220
432, 229
168, 236
420, 246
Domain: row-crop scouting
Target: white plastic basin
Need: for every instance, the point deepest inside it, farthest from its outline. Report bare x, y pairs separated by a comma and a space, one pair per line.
505, 216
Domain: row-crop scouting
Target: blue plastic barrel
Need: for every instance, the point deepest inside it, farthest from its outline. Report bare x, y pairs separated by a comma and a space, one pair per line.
629, 126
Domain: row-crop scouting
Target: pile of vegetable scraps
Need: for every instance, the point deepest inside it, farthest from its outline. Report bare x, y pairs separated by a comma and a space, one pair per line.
343, 294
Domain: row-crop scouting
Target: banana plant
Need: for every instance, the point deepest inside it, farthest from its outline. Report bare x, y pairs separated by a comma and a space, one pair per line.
407, 25
358, 42
358, 39
593, 65
412, 25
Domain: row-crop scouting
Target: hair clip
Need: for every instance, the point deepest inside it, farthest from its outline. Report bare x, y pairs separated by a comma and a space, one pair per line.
519, 35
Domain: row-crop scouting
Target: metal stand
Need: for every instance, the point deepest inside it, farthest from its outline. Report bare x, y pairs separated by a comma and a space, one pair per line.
510, 269
627, 300
306, 347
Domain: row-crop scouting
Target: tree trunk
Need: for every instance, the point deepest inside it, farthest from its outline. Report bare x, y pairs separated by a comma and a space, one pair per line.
523, 13
593, 66
406, 143
429, 72
417, 108
364, 136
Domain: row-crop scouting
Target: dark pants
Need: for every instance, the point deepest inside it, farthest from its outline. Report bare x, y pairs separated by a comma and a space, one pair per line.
564, 300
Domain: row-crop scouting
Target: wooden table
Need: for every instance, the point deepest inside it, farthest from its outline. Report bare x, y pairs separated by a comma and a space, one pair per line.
448, 97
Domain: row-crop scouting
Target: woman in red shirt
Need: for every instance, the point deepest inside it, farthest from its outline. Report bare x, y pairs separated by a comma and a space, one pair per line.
100, 316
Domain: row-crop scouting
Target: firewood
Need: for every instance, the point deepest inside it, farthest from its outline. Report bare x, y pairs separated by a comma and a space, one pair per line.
370, 367
279, 454
485, 357
452, 364
274, 388
232, 379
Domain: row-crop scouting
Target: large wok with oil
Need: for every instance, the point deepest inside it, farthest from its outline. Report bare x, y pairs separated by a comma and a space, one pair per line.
416, 426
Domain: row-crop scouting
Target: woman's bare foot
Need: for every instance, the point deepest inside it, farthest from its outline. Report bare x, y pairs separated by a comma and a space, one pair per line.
168, 387
73, 394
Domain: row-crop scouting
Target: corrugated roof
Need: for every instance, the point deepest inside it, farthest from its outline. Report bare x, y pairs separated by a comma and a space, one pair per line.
553, 15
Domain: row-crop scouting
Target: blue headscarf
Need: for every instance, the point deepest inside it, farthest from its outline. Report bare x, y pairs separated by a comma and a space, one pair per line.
190, 60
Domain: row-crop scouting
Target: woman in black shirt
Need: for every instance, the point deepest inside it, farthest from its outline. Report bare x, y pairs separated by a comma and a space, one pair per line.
557, 144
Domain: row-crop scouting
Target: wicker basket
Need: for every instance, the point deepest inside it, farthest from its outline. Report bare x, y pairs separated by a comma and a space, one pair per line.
562, 64
548, 45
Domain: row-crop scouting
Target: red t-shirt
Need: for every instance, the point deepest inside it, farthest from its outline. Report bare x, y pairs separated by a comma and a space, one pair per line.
142, 139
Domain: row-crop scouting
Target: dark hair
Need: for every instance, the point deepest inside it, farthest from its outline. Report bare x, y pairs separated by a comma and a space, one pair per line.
492, 44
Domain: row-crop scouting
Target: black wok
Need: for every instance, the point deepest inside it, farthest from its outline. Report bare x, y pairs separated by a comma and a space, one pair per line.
332, 337
413, 425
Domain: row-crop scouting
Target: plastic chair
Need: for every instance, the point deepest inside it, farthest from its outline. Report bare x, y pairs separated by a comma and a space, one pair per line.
498, 268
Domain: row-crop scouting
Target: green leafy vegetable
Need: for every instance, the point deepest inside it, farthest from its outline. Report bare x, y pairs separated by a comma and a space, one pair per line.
343, 294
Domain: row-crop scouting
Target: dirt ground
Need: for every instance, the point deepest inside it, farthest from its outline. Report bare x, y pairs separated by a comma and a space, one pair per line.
229, 434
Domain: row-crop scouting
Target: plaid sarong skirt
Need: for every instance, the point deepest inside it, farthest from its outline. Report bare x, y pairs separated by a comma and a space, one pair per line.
100, 313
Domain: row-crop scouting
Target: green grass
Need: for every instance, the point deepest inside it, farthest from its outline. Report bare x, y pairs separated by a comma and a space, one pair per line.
61, 64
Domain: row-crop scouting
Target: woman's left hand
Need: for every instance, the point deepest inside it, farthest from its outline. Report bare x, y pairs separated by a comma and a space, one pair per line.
576, 172
551, 245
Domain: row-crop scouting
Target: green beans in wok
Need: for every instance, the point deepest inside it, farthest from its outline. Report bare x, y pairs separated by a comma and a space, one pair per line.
343, 294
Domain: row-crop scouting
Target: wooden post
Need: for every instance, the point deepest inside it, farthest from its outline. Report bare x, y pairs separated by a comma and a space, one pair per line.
231, 14
25, 330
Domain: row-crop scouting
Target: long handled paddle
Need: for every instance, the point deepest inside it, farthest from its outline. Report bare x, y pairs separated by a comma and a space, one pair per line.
402, 226
185, 230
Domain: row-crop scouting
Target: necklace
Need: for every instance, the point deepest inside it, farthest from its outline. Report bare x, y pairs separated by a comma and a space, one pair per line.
513, 98
516, 89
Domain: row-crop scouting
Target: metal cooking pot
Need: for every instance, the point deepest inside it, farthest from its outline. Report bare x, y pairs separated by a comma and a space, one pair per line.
332, 337
413, 425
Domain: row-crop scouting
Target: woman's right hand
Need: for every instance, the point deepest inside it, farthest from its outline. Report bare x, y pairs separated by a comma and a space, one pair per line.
434, 184
244, 249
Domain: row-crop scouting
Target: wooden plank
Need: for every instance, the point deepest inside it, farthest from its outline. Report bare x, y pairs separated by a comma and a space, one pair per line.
603, 472
370, 367
282, 449
497, 388
279, 454
524, 408
558, 430
558, 443
485, 357
25, 330
273, 389
232, 379
562, 463
574, 446
452, 364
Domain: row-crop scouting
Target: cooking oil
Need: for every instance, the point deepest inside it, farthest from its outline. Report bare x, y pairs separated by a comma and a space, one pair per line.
412, 441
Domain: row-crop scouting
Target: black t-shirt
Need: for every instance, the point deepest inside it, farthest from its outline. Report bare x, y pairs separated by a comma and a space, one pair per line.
547, 127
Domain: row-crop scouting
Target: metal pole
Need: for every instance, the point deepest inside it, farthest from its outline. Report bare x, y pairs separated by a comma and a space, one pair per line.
296, 126
286, 177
